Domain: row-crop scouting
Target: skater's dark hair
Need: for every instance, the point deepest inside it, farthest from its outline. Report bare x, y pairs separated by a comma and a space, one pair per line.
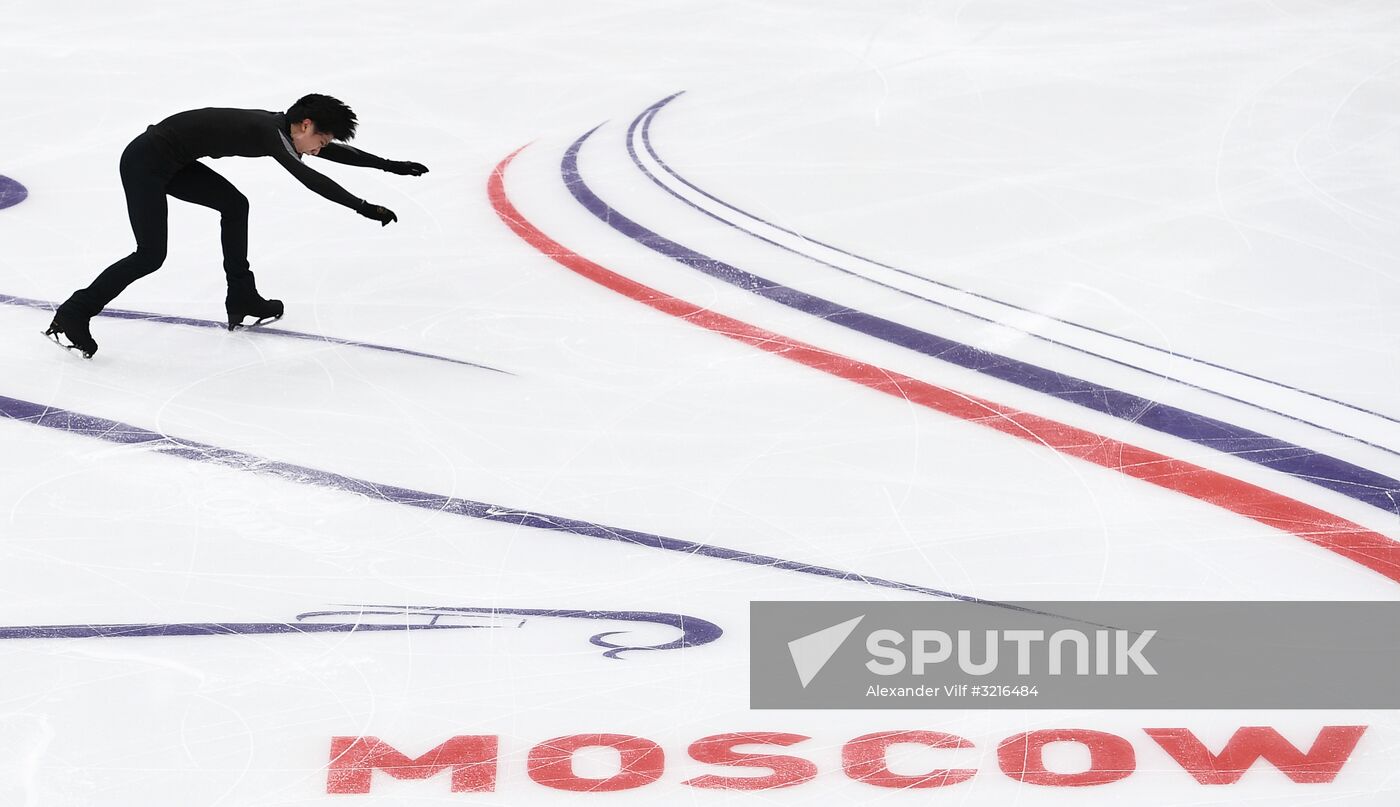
329, 115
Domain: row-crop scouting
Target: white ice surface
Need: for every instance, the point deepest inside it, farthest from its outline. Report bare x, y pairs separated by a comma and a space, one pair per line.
1217, 179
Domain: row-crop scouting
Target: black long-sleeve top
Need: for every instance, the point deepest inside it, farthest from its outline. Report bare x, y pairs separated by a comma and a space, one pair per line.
216, 132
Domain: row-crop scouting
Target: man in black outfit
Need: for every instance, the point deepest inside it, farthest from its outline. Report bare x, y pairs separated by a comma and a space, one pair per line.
165, 161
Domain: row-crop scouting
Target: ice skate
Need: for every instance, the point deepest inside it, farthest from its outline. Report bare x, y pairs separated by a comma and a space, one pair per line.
75, 327
250, 304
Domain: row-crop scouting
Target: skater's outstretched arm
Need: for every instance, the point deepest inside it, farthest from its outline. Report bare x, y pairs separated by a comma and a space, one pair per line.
316, 181
327, 187
349, 155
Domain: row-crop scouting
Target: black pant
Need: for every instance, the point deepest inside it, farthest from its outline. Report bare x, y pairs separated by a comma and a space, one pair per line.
150, 170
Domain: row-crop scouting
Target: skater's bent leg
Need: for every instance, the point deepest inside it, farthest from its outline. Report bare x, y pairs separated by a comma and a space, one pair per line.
144, 184
199, 184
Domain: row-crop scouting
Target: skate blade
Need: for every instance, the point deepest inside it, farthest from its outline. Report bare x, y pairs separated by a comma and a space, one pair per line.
53, 337
239, 326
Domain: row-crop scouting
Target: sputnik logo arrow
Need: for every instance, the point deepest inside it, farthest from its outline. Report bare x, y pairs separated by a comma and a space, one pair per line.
811, 652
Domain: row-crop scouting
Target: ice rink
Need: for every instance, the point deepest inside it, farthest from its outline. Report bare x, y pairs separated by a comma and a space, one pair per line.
700, 304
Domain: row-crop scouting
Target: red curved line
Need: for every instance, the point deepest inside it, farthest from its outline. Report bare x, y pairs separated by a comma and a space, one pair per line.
1331, 532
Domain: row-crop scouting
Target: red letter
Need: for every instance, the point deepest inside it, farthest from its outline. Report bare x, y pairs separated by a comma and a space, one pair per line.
1023, 757
719, 750
353, 760
552, 762
1322, 763
864, 759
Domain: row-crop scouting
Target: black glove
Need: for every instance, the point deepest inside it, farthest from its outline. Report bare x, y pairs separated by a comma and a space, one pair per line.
379, 213
406, 168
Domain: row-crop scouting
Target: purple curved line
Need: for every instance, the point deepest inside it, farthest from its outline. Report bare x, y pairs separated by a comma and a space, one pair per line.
140, 630
1332, 473
163, 319
112, 431
650, 113
11, 192
695, 632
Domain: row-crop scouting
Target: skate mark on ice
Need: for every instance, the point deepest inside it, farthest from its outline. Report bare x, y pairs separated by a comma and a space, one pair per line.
1314, 525
11, 192
112, 431
1332, 473
163, 319
649, 115
694, 631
